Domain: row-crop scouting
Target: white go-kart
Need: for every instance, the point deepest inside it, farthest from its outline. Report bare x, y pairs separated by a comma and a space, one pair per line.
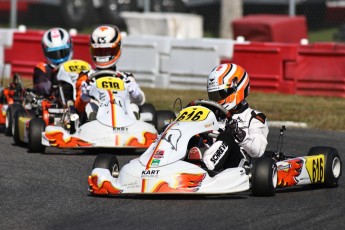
164, 168
115, 124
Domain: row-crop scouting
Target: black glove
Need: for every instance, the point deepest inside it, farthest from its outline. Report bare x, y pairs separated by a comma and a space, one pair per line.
232, 127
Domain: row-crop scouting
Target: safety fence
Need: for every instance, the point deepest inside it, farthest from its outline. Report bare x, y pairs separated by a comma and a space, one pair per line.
165, 62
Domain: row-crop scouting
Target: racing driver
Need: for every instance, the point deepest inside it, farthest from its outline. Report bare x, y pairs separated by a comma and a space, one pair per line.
57, 48
105, 48
245, 132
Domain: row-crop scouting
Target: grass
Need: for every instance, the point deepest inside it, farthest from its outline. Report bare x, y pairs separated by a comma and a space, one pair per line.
325, 113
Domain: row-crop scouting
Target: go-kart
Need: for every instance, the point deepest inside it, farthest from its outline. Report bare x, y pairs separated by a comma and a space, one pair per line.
37, 112
10, 101
115, 126
165, 169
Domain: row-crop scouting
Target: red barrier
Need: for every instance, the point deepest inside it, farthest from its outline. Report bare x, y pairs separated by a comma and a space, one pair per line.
271, 28
319, 70
25, 52
265, 64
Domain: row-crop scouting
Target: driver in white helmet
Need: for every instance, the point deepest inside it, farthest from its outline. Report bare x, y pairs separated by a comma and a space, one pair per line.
245, 133
57, 48
105, 47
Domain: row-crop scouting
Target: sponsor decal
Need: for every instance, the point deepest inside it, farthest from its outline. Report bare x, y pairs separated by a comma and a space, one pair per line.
155, 162
219, 153
120, 129
288, 175
159, 154
149, 173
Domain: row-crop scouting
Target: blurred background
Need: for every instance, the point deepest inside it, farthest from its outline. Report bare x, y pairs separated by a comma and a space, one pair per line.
325, 18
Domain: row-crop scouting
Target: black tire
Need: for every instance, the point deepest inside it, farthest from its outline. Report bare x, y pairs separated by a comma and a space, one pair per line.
9, 118
163, 118
21, 112
36, 127
264, 177
333, 165
107, 161
149, 108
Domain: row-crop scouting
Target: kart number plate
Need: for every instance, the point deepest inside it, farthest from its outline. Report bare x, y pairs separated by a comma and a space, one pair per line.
316, 168
110, 83
76, 66
193, 113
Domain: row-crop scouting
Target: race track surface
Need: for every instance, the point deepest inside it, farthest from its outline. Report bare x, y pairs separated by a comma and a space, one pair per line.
50, 191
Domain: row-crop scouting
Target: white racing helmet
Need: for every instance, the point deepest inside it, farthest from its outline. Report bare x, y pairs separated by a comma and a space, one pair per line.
57, 46
105, 46
228, 84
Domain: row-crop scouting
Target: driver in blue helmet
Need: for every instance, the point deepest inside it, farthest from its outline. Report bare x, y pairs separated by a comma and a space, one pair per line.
57, 48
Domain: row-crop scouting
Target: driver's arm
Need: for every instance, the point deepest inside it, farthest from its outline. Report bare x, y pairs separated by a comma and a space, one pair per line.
79, 103
255, 141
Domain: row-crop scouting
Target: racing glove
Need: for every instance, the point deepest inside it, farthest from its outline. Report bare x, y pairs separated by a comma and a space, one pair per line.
238, 133
133, 88
85, 89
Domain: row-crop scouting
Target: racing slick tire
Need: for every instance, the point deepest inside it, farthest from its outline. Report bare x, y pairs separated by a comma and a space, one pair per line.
11, 110
333, 165
36, 127
164, 117
264, 177
21, 112
149, 108
108, 161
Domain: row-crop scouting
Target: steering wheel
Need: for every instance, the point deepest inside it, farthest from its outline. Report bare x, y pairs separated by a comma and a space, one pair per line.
216, 108
102, 73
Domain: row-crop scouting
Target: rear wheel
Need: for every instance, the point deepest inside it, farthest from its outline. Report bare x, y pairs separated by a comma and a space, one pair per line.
264, 177
9, 118
107, 161
149, 109
333, 165
164, 117
36, 127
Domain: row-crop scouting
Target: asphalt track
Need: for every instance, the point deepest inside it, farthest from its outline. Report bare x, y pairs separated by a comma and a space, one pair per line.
49, 191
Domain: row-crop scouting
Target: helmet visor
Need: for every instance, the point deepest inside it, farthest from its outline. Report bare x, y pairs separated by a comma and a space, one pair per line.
221, 94
105, 51
58, 54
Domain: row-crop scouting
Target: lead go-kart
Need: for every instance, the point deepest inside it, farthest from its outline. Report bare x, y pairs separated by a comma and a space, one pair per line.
115, 125
164, 167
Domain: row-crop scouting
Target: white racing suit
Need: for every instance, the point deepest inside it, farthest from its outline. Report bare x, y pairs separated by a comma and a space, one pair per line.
231, 145
136, 95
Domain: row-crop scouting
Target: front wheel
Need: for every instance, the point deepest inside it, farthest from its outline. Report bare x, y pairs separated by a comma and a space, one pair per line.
264, 177
108, 161
333, 165
36, 127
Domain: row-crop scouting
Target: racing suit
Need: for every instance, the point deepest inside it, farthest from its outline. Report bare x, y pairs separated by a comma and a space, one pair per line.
44, 78
245, 134
83, 102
